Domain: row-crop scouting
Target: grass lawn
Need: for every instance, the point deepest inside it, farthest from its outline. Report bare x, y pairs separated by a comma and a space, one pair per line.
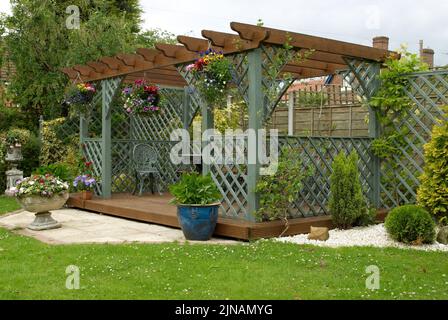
262, 270
8, 204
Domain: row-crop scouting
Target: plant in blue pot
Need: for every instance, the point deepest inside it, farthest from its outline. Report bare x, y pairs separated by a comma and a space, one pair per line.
198, 199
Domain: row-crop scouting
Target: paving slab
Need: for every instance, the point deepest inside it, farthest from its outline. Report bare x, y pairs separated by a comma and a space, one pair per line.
83, 227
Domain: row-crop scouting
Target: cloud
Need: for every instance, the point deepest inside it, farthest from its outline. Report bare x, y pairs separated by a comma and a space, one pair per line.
356, 21
349, 20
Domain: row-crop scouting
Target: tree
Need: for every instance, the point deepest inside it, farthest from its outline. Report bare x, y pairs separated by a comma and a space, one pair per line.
39, 44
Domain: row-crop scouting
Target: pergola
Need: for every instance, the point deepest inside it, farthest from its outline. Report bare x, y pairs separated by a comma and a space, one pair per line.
251, 50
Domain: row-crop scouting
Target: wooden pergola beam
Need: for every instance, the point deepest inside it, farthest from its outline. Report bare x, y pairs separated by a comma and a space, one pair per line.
302, 41
327, 55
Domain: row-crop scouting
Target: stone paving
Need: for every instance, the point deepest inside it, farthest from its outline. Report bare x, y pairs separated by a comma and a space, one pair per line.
80, 227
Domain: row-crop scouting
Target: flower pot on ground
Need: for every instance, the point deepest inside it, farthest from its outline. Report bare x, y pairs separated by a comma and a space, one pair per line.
198, 200
86, 195
41, 194
84, 184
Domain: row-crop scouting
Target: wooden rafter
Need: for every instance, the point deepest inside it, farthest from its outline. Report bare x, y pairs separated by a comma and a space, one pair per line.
159, 64
298, 40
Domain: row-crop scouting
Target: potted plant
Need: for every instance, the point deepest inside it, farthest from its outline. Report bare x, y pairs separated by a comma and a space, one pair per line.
40, 194
84, 184
198, 199
142, 98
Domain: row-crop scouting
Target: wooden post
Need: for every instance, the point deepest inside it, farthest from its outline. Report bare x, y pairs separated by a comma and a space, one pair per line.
291, 114
106, 147
83, 128
207, 123
375, 132
186, 108
256, 112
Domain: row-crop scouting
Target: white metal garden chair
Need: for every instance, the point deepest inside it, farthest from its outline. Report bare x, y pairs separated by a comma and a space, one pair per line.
145, 158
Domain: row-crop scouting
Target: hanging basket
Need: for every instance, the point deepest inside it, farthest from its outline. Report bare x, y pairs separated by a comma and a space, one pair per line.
81, 96
214, 72
142, 99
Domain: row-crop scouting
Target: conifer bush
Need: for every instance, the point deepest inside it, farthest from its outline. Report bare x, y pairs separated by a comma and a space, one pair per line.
433, 191
411, 224
347, 204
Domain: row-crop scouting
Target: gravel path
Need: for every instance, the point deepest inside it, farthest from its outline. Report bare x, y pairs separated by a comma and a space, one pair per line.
374, 236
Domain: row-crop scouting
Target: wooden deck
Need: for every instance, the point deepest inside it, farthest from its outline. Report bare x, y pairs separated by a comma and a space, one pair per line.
157, 210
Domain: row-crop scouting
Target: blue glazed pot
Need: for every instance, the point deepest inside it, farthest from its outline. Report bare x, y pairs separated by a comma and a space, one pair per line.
198, 222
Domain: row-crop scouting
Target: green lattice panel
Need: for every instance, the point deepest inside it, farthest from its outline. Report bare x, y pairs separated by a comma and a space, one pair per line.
362, 76
123, 179
159, 127
318, 154
231, 178
428, 92
93, 152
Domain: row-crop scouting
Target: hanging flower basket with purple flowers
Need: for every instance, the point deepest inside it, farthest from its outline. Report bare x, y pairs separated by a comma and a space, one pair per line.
142, 98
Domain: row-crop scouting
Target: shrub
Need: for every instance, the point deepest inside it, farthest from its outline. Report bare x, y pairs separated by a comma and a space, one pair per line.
433, 191
278, 191
59, 170
411, 224
195, 189
347, 203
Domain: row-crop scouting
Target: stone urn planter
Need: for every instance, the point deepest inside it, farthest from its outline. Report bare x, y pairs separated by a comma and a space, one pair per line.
42, 206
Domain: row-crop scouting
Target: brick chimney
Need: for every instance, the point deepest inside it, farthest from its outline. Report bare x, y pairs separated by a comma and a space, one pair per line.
381, 43
427, 57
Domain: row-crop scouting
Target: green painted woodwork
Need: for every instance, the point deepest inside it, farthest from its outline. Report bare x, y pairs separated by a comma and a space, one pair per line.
109, 89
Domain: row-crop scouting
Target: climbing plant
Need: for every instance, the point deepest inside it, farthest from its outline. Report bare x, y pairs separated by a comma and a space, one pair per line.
391, 103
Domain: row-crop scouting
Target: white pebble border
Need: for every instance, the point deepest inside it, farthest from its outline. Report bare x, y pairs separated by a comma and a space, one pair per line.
373, 236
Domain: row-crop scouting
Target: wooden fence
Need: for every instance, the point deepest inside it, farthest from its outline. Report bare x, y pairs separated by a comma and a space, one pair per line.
333, 111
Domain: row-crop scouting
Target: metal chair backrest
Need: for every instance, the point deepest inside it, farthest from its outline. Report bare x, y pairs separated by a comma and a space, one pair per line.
144, 157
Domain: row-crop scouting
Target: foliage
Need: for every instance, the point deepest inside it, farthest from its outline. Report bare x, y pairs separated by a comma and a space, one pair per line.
391, 103
278, 191
311, 99
433, 191
195, 189
141, 98
347, 203
58, 170
57, 145
107, 27
232, 117
12, 117
214, 72
411, 224
17, 136
40, 185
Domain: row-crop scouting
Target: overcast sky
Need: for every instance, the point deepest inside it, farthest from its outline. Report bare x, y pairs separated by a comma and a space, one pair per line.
350, 20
